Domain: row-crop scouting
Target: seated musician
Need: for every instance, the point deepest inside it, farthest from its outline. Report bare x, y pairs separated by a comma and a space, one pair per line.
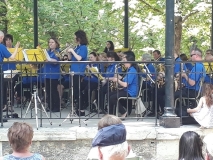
184, 58
109, 47
192, 80
209, 66
4, 53
157, 55
109, 75
51, 76
129, 86
90, 82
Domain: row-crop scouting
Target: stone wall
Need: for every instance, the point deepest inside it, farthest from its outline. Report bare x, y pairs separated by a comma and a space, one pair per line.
151, 143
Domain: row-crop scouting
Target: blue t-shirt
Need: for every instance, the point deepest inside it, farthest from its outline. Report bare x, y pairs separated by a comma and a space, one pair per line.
197, 72
110, 71
52, 71
4, 53
132, 82
79, 68
93, 77
177, 67
29, 79
35, 156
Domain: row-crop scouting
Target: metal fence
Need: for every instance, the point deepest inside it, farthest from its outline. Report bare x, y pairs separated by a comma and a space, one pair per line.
31, 93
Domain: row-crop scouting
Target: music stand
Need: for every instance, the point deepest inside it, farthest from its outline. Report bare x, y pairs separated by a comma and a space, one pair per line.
19, 55
72, 111
35, 55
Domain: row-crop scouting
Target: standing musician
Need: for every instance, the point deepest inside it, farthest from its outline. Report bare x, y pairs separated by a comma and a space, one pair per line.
129, 84
78, 54
109, 47
209, 66
4, 53
52, 75
91, 80
109, 75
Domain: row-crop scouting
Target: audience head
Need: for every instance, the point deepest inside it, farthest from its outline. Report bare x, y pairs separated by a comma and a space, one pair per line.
53, 43
209, 55
156, 54
20, 136
81, 37
1, 36
8, 40
93, 57
146, 57
208, 141
112, 56
196, 54
111, 139
190, 146
207, 92
183, 57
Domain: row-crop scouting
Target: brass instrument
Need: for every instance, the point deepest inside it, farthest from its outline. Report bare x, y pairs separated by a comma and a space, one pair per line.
145, 69
114, 85
94, 71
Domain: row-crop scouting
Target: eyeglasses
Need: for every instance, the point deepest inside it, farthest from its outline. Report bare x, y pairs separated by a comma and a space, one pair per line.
192, 55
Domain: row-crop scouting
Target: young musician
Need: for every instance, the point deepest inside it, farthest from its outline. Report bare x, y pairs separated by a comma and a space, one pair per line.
110, 73
91, 80
78, 54
109, 46
129, 84
52, 75
4, 53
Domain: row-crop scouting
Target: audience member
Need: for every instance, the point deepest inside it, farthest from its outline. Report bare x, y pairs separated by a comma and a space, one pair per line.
190, 146
203, 113
20, 137
110, 141
208, 141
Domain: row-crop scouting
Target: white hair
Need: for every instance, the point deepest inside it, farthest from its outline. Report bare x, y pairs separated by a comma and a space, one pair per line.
1, 33
147, 57
118, 150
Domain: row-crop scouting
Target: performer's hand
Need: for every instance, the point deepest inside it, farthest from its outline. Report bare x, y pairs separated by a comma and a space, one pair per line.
114, 79
70, 50
184, 74
17, 45
188, 110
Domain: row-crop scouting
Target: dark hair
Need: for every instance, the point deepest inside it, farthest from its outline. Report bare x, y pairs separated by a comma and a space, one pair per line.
157, 51
6, 37
81, 37
111, 48
56, 41
95, 55
210, 51
190, 146
183, 57
113, 55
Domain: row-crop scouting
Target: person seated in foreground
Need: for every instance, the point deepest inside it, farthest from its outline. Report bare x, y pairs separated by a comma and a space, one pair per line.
20, 137
110, 141
208, 141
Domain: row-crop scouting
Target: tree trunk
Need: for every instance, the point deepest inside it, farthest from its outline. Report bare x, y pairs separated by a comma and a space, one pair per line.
3, 17
178, 34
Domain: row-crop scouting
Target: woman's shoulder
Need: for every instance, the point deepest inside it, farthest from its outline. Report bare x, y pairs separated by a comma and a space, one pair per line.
35, 156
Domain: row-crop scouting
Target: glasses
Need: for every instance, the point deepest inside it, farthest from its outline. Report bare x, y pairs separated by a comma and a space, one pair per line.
192, 55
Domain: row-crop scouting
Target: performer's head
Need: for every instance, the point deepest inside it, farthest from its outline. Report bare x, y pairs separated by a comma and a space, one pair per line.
128, 56
1, 36
20, 136
93, 57
81, 37
112, 56
103, 56
156, 54
8, 40
53, 44
196, 54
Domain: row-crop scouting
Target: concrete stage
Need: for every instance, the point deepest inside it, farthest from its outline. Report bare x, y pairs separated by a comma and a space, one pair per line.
71, 142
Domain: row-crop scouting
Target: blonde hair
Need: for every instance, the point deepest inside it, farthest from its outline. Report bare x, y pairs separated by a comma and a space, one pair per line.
20, 136
108, 120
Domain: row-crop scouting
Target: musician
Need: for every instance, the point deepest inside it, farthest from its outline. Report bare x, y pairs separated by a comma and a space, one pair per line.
157, 55
4, 53
184, 58
103, 57
109, 75
90, 82
78, 54
209, 66
52, 75
129, 84
109, 46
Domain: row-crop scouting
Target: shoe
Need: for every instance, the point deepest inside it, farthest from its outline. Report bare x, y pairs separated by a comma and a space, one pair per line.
80, 113
123, 116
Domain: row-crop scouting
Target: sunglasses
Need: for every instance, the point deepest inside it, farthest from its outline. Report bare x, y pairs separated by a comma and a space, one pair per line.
192, 55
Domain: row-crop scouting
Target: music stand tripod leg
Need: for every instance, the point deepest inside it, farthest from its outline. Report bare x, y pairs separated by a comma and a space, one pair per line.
36, 109
28, 107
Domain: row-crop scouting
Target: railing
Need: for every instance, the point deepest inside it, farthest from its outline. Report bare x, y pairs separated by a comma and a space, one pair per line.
29, 83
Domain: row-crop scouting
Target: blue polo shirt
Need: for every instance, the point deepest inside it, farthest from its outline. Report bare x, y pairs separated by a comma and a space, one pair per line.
197, 72
79, 68
132, 82
29, 79
110, 71
4, 53
51, 70
177, 67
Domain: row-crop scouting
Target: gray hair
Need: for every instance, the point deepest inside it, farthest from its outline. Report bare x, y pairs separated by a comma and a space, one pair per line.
197, 51
147, 57
1, 33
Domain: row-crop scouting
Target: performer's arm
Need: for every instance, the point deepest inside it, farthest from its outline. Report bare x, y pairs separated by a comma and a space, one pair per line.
200, 104
13, 56
78, 57
191, 82
123, 84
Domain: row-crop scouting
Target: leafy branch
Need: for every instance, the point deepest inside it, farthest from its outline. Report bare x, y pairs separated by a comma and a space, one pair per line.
151, 7
190, 14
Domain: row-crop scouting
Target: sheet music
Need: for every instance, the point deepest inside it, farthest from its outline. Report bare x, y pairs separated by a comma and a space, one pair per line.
25, 55
10, 73
46, 54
